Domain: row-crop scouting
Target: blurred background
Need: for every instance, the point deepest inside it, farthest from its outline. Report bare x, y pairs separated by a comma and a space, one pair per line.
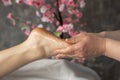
100, 15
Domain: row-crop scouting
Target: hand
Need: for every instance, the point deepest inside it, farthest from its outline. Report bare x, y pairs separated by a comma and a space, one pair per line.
84, 45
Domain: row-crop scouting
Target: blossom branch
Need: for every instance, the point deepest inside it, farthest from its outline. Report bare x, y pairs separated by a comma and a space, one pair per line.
59, 14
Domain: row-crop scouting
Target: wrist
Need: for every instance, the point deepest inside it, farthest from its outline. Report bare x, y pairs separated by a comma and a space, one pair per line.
107, 44
103, 46
103, 34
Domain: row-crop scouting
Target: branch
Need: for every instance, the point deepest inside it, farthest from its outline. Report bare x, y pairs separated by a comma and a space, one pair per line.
59, 14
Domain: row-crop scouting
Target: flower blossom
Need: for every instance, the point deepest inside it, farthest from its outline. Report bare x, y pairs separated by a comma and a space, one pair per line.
11, 17
7, 2
61, 7
63, 13
19, 1
45, 19
27, 32
63, 1
71, 3
72, 33
43, 9
40, 25
38, 3
38, 14
82, 4
65, 28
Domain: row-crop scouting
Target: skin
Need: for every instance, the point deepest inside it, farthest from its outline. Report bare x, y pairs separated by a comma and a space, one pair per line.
40, 44
90, 45
111, 34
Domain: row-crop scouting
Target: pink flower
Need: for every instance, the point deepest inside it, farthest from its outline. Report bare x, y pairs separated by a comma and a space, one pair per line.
61, 7
7, 2
70, 27
47, 14
60, 29
67, 14
73, 33
65, 28
10, 16
27, 32
75, 11
68, 19
38, 3
43, 9
30, 2
63, 1
38, 14
19, 1
70, 11
33, 26
51, 20
57, 23
45, 19
79, 14
71, 3
82, 3
53, 10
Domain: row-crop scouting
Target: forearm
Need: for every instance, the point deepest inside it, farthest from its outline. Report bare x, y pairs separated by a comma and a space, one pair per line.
111, 34
112, 49
13, 58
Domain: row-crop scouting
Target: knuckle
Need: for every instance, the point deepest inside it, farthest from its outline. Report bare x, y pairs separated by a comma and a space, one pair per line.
69, 49
72, 40
85, 36
81, 46
76, 47
81, 49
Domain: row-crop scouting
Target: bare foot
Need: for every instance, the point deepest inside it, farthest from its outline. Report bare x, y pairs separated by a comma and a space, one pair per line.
43, 43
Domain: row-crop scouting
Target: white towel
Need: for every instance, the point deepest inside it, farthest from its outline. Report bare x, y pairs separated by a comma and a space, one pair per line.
48, 69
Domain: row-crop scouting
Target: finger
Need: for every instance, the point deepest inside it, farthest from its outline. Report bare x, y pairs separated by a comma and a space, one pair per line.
67, 50
70, 50
63, 56
76, 56
76, 38
58, 56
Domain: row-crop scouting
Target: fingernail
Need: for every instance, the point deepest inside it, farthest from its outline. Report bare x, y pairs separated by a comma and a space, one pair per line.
66, 39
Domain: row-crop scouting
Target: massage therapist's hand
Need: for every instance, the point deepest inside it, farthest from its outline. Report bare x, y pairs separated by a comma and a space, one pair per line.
84, 45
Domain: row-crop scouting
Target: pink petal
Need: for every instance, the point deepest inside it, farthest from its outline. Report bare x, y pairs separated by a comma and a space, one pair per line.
60, 29
27, 32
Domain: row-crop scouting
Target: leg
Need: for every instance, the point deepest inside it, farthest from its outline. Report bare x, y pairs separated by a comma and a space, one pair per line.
40, 44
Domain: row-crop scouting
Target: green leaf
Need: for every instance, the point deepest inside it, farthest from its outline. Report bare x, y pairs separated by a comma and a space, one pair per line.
24, 27
57, 34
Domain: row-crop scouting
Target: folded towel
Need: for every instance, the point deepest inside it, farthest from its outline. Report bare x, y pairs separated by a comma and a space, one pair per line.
49, 69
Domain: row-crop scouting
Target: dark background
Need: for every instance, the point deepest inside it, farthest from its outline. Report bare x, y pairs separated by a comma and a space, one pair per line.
100, 15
